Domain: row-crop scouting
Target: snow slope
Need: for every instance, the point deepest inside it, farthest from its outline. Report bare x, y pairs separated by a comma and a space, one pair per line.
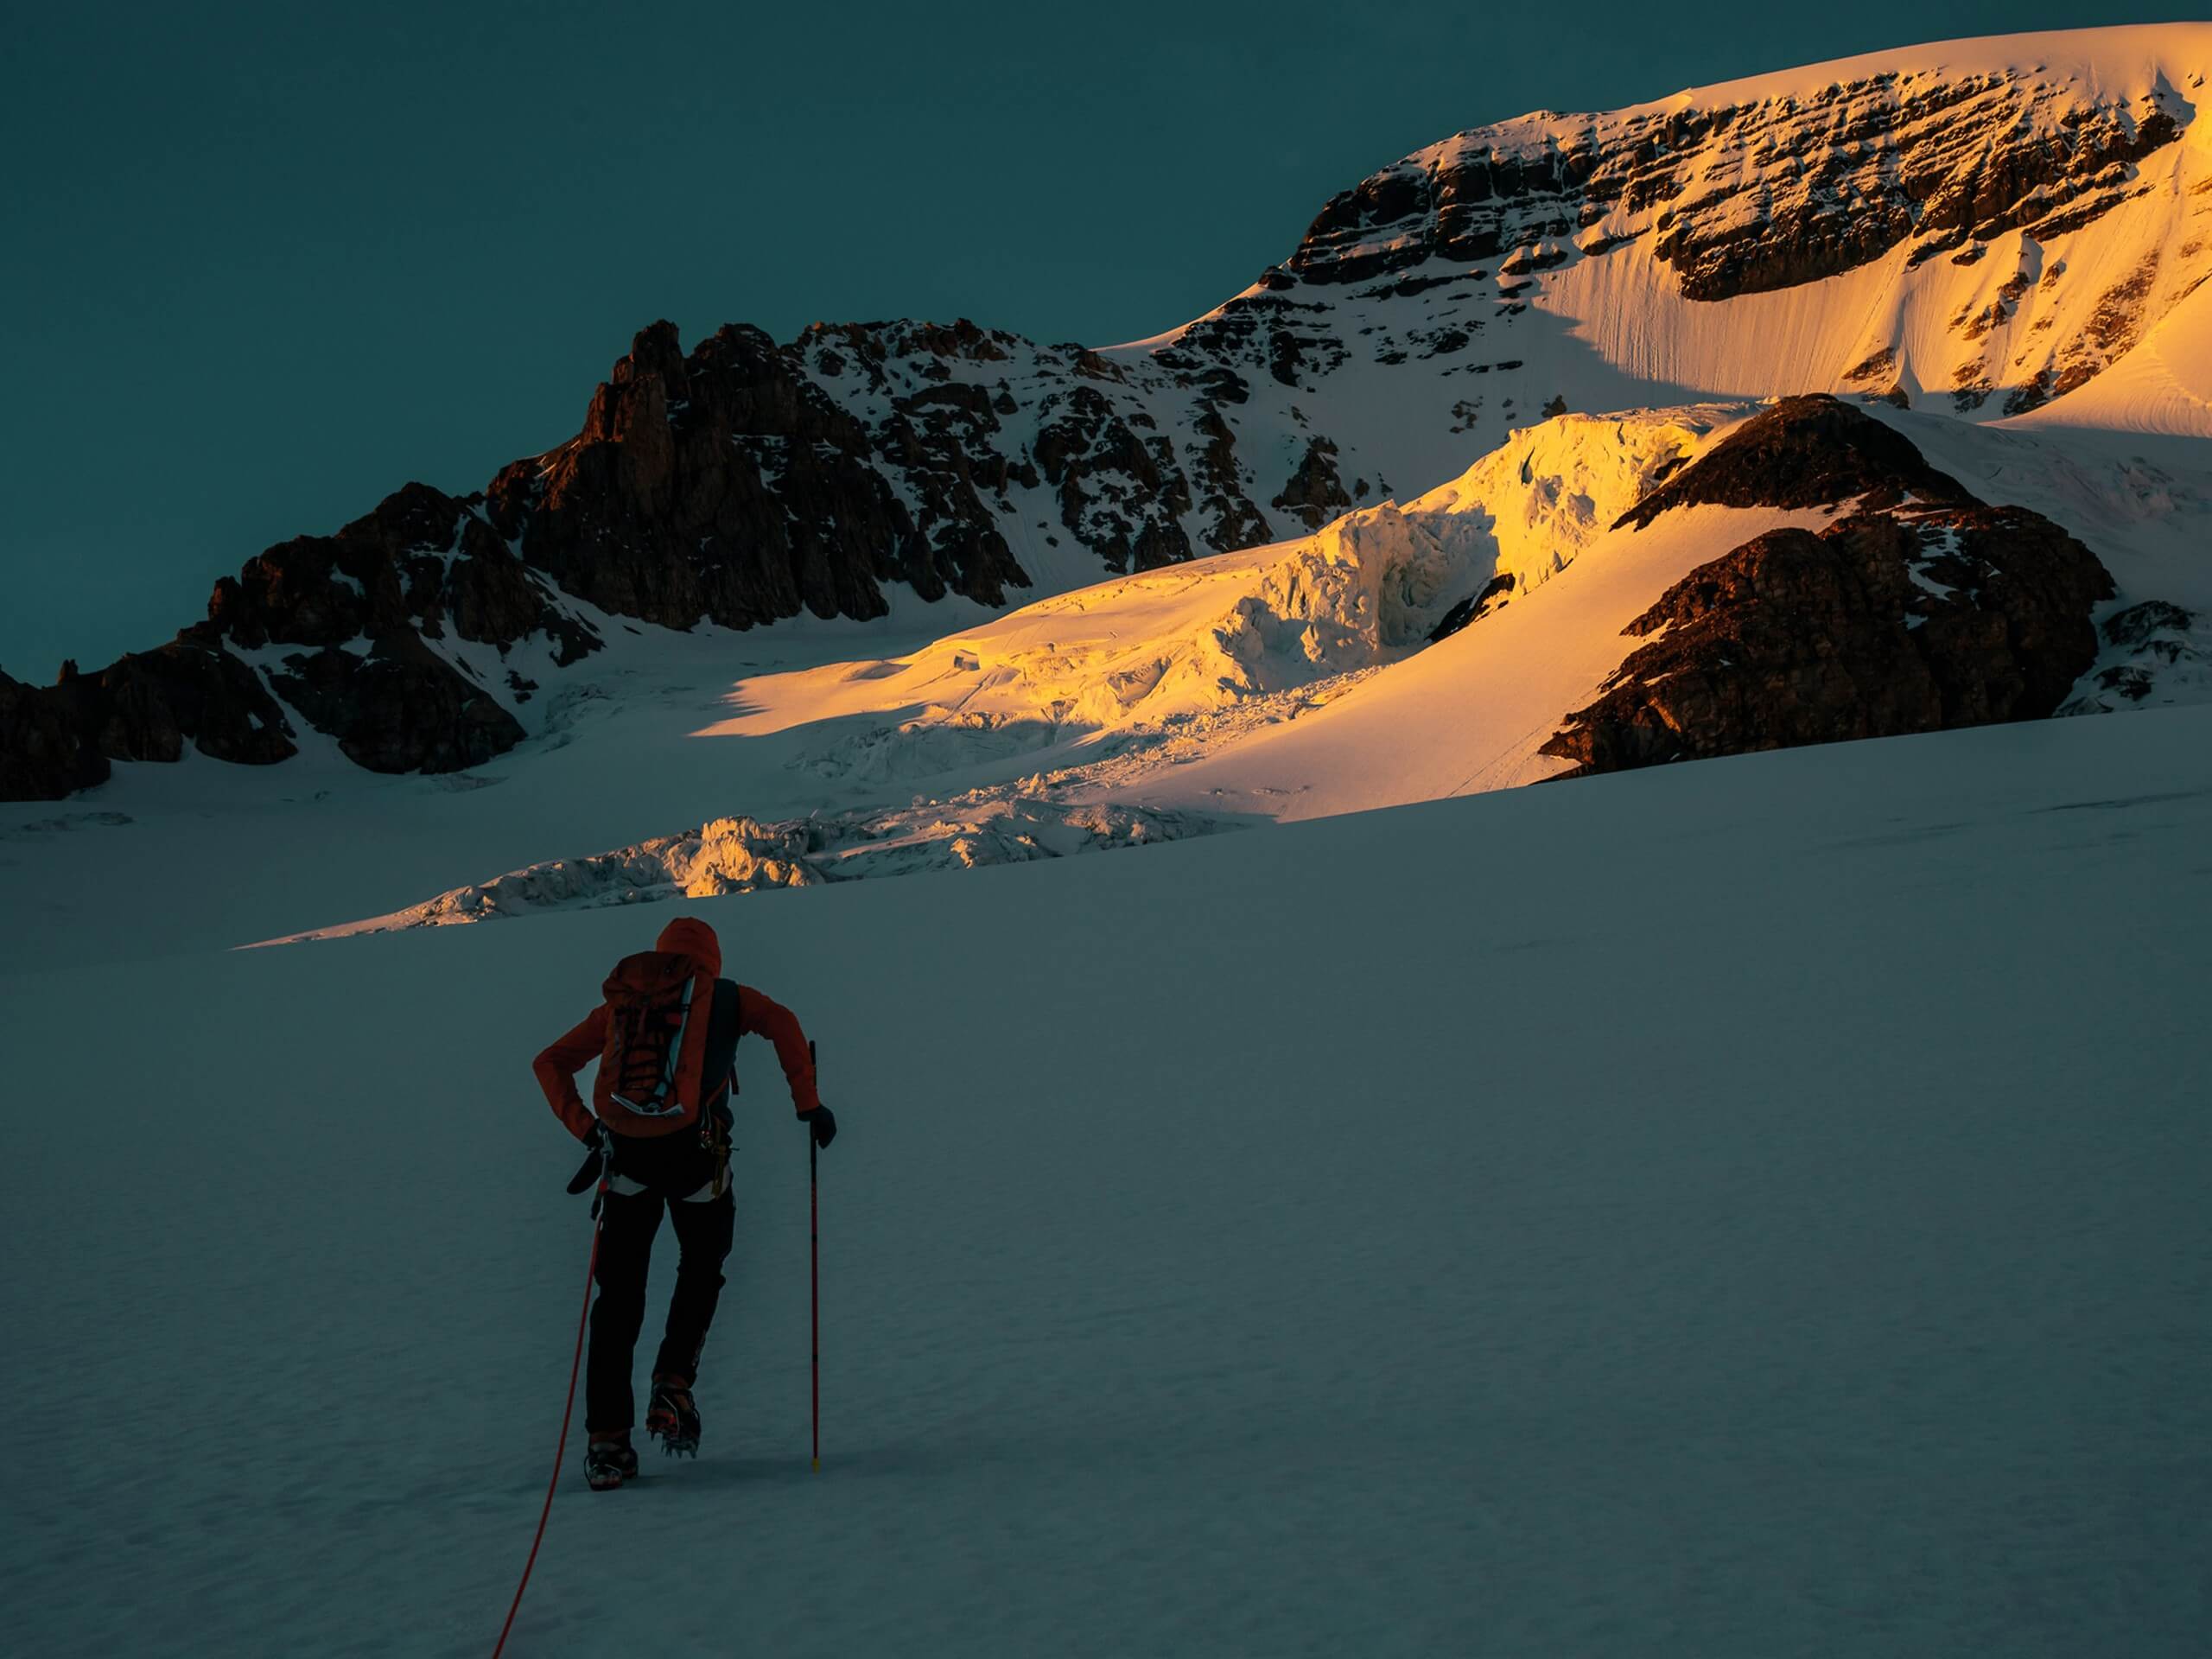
1469, 713
1421, 329
168, 859
1055, 729
1742, 1209
2033, 308
2165, 384
1247, 635
1289, 681
1200, 683
1947, 333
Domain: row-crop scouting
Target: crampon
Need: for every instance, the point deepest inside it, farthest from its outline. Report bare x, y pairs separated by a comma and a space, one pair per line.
608, 1464
673, 1418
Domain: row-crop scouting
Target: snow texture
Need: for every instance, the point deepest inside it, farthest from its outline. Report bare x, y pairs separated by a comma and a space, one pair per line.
742, 855
1747, 1208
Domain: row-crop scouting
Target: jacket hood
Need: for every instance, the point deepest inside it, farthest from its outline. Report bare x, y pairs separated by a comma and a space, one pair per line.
687, 936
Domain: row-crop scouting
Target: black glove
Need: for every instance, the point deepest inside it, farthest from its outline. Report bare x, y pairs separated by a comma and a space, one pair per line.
824, 1124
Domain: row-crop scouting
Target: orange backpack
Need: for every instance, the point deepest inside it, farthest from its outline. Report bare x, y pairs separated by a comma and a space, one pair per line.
658, 1007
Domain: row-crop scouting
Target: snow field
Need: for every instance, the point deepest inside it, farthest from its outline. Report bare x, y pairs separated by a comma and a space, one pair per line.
1740, 1209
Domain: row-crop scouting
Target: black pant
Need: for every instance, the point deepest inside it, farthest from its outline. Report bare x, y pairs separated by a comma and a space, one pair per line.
626, 1246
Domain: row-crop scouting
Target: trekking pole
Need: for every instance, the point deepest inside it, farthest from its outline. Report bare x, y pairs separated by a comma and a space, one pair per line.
560, 1452
814, 1270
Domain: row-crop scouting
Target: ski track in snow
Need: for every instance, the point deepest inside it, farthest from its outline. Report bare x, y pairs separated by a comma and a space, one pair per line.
1747, 1208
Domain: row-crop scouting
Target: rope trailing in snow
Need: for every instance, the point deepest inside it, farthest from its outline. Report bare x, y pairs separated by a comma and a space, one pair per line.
562, 1451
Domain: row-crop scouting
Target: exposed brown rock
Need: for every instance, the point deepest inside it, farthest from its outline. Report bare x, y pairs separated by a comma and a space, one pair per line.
727, 486
1803, 451
1873, 365
46, 749
142, 706
421, 562
1836, 179
1883, 624
1493, 593
400, 707
2034, 395
1121, 494
190, 689
1236, 520
2112, 329
1314, 494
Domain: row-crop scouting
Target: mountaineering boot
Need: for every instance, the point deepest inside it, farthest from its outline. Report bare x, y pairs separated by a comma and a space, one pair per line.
673, 1417
609, 1462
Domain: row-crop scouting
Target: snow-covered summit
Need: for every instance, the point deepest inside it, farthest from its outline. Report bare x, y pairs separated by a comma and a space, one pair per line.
2049, 181
2009, 230
1779, 179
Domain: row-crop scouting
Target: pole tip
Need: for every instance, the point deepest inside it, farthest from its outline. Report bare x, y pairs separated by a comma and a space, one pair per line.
817, 1465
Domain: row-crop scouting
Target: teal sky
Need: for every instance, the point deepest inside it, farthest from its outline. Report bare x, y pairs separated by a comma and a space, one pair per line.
261, 265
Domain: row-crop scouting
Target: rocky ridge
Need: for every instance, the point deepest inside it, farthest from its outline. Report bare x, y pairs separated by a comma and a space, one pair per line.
1744, 196
1414, 327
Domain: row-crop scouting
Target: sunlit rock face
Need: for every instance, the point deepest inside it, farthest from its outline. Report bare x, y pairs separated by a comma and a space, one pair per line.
1738, 198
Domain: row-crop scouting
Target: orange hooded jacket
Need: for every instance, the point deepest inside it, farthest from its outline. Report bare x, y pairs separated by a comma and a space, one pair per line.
758, 1015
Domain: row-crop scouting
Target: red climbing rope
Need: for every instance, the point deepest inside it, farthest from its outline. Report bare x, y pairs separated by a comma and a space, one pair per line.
562, 1451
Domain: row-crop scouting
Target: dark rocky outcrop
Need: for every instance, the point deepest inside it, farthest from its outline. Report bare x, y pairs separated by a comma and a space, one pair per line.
422, 560
55, 739
739, 483
1884, 623
342, 626
150, 703
1120, 494
1291, 338
47, 750
730, 486
1315, 494
1493, 593
399, 708
1234, 519
364, 606
1803, 452
2152, 649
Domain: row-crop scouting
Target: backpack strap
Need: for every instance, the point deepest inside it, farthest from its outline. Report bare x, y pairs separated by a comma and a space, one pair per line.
717, 1115
665, 1101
